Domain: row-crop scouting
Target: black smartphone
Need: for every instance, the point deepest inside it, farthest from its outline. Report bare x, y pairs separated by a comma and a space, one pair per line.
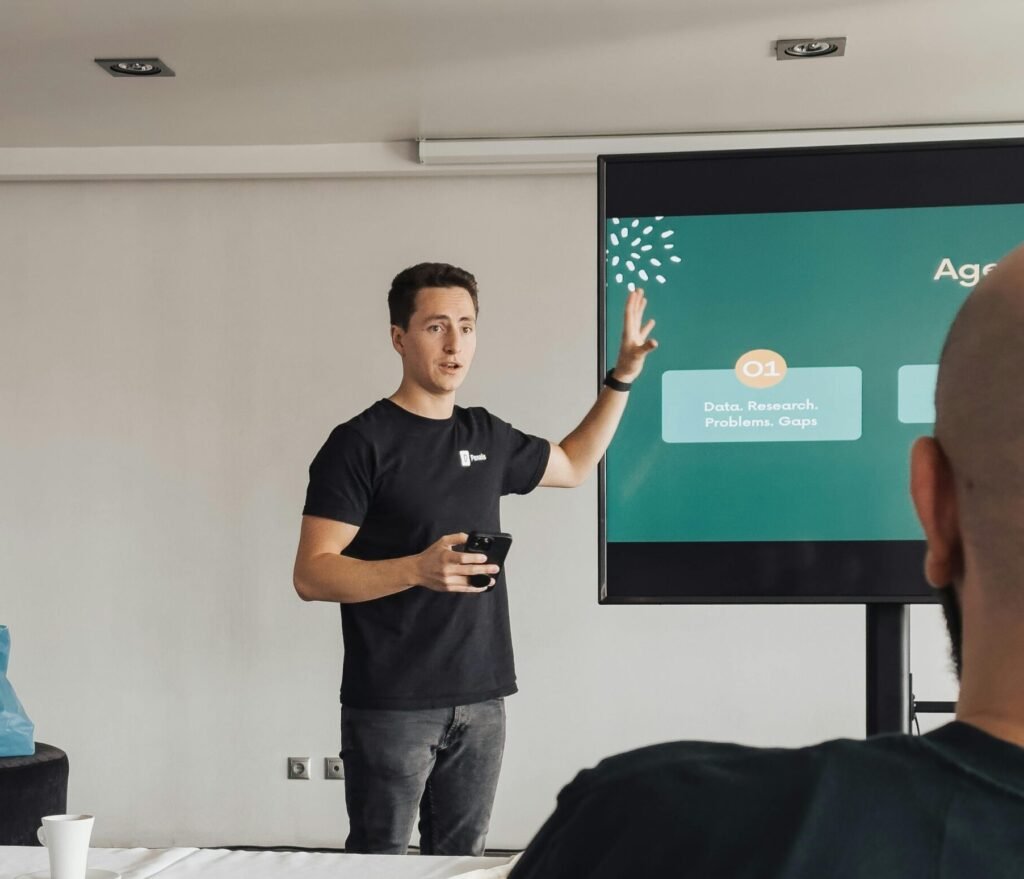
494, 545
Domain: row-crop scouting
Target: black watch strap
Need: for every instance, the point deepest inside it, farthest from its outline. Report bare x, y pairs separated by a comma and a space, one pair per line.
615, 384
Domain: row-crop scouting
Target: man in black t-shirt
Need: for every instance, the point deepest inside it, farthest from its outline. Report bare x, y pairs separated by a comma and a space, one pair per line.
949, 804
428, 657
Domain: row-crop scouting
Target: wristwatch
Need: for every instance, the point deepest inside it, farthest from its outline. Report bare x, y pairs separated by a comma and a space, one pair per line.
614, 383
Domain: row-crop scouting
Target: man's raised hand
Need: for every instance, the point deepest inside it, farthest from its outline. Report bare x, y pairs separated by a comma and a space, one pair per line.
636, 342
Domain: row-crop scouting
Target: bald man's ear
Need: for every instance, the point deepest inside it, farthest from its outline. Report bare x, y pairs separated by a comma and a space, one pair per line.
933, 490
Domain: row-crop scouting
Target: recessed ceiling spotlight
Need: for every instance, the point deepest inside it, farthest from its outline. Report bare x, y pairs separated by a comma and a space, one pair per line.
134, 66
810, 47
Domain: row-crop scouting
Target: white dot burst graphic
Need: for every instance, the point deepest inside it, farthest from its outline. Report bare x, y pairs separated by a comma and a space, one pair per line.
638, 253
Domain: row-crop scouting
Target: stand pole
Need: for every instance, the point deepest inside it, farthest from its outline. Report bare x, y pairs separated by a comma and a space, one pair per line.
888, 668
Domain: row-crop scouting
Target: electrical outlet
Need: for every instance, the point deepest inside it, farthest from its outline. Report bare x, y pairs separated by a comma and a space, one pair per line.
333, 768
298, 767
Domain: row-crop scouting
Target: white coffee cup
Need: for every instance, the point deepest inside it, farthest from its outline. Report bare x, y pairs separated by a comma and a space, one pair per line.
66, 838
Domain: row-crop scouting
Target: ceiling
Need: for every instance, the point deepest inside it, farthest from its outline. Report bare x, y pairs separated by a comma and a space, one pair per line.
317, 72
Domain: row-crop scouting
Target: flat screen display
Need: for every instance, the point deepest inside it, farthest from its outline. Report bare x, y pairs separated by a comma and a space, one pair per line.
802, 297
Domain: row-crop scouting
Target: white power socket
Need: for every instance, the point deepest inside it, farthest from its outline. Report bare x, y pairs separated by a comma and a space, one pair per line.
298, 767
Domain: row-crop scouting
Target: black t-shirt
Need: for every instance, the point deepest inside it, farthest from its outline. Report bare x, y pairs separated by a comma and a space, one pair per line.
948, 805
406, 481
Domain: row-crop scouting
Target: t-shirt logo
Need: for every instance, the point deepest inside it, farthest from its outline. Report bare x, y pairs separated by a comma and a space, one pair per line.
466, 458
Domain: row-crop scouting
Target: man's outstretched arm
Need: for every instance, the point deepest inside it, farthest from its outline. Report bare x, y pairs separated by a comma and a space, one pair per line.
574, 458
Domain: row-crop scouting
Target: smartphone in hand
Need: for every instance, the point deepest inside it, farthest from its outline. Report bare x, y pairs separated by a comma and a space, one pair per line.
494, 545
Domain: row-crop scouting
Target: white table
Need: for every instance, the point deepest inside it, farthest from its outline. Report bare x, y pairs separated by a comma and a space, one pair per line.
192, 863
131, 863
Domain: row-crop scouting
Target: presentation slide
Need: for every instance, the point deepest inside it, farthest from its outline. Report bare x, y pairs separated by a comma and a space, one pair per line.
797, 363
802, 297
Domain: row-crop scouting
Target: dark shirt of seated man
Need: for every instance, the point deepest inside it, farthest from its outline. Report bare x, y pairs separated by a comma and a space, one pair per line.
948, 805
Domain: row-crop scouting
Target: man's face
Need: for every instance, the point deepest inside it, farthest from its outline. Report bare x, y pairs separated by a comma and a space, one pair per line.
438, 347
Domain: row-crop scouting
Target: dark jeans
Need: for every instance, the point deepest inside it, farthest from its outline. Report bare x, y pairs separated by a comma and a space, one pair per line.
441, 762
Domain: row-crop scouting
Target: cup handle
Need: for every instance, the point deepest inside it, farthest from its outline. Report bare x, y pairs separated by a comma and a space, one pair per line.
41, 835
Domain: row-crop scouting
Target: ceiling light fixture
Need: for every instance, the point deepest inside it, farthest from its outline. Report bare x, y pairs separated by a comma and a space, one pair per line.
810, 47
134, 66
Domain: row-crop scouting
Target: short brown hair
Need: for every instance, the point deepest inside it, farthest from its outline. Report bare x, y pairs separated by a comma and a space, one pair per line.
409, 282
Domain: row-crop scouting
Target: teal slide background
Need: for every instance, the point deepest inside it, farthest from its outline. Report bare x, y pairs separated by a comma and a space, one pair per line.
836, 288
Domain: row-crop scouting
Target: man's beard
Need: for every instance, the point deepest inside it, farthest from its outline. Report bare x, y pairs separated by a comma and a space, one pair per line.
954, 625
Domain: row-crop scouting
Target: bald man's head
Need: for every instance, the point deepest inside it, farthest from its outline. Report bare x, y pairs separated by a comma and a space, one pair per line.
980, 423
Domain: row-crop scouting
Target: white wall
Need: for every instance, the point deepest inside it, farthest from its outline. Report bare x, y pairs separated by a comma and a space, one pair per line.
171, 357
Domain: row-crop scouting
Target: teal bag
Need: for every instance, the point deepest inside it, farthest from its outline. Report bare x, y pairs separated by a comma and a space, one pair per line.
16, 730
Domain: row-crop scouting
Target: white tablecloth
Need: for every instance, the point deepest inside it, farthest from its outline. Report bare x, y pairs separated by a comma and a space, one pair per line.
131, 863
191, 863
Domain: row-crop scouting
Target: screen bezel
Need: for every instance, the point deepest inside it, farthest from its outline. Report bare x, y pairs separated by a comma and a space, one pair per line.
777, 180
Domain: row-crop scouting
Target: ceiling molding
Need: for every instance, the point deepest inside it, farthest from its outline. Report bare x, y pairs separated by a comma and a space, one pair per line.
485, 156
394, 159
582, 152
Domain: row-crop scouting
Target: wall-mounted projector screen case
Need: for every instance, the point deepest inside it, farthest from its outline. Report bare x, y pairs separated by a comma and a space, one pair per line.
802, 297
